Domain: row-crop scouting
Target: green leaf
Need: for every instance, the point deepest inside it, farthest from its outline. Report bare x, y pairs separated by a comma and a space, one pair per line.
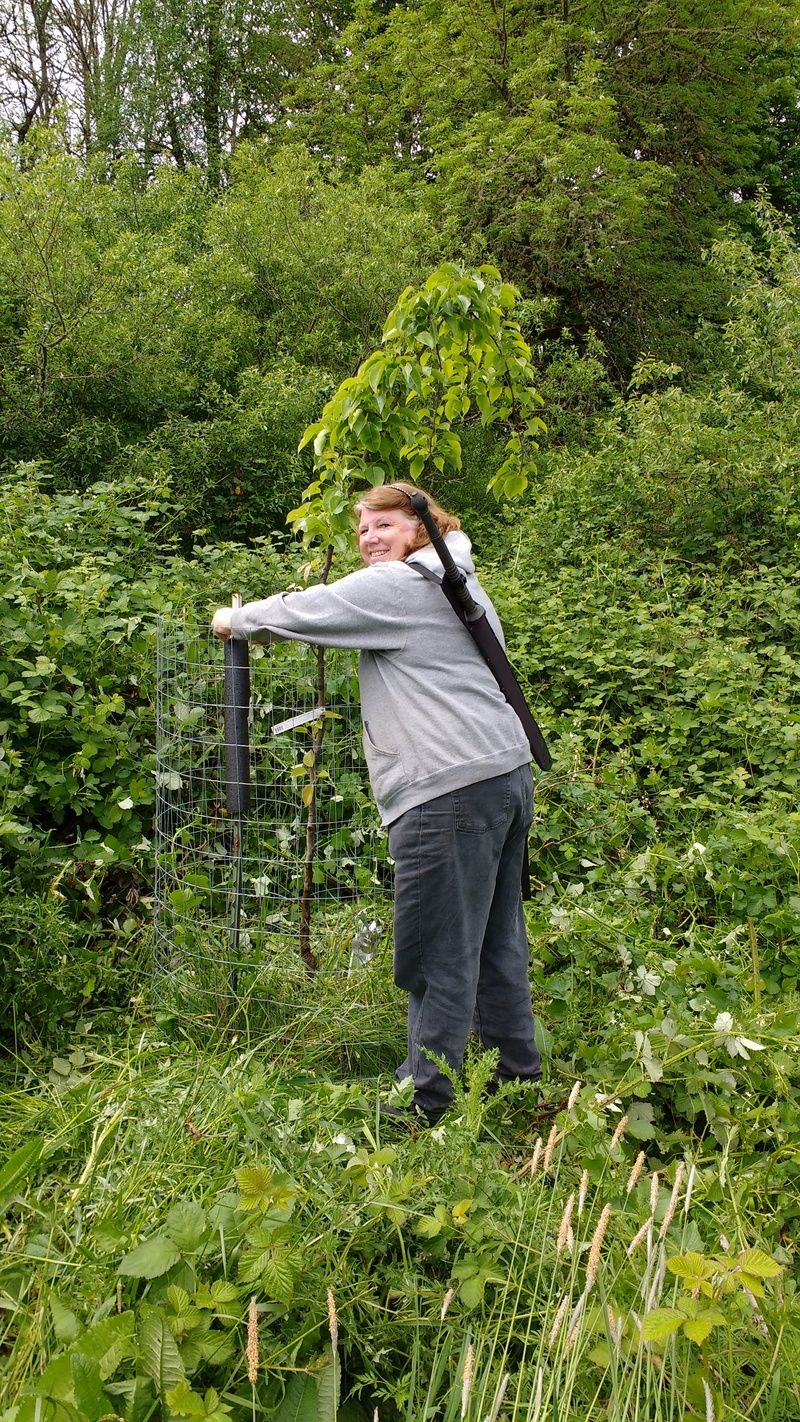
88, 1391
187, 1225
108, 1342
158, 1352
698, 1328
755, 1261
691, 1266
65, 1324
300, 1402
151, 1259
277, 1277
328, 1380
255, 1187
18, 1167
472, 1290
662, 1323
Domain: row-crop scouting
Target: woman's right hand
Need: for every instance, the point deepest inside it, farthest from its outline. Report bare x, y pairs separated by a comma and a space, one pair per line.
221, 623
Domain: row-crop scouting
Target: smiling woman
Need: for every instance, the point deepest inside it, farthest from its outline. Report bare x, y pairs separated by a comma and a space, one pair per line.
385, 536
449, 766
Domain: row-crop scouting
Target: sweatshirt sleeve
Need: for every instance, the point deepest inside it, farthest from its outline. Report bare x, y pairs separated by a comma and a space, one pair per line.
358, 611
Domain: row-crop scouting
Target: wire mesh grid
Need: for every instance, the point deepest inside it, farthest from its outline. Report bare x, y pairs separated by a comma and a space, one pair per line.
273, 916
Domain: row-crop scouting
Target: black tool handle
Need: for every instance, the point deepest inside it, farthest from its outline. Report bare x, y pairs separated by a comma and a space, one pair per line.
473, 611
237, 715
475, 620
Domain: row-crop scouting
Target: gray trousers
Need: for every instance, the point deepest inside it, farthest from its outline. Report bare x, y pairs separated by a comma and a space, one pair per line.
460, 948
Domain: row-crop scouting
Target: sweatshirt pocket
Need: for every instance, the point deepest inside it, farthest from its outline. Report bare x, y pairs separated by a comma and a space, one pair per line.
386, 770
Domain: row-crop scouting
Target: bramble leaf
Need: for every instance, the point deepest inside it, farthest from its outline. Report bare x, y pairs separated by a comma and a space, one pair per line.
661, 1324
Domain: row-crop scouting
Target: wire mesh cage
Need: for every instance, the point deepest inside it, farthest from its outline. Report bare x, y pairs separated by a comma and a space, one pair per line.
273, 882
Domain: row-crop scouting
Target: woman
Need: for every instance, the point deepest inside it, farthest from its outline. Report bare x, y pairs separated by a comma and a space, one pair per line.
449, 765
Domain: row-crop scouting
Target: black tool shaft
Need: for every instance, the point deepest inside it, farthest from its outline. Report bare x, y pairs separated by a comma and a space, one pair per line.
237, 741
477, 623
473, 611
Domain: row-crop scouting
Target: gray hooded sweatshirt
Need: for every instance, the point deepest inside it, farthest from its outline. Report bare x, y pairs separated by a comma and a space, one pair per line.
434, 717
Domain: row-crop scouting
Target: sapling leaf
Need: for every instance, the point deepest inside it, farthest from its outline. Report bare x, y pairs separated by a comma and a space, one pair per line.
691, 1267
749, 1281
255, 1187
698, 1329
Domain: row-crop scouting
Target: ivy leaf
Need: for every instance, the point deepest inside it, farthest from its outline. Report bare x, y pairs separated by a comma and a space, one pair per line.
151, 1259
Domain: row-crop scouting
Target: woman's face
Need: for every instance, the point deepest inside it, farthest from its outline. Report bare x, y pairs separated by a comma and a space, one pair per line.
385, 535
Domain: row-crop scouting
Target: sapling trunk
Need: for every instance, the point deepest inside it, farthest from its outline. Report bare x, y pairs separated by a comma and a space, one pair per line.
306, 951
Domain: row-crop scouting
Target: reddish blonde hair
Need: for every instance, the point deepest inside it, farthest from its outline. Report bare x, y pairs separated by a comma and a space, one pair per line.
394, 496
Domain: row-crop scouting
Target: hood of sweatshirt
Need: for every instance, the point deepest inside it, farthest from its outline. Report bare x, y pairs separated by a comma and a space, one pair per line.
458, 544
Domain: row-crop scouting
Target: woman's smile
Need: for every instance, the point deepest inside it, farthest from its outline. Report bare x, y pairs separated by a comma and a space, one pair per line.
385, 535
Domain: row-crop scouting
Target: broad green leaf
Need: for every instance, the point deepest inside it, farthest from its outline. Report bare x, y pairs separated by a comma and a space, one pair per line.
151, 1259
159, 1357
108, 1342
217, 1346
691, 1266
183, 1401
300, 1402
662, 1323
178, 1300
328, 1380
755, 1261
472, 1290
66, 1326
428, 1227
698, 1328
56, 1380
749, 1281
87, 1387
139, 1398
186, 1226
600, 1355
277, 1278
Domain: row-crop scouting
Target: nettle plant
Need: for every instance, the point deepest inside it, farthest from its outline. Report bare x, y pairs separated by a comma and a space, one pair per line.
451, 352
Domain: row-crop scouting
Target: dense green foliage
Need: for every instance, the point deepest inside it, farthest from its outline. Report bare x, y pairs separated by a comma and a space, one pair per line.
206, 215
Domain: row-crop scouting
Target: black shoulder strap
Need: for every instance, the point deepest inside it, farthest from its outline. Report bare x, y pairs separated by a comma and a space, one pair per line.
494, 655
